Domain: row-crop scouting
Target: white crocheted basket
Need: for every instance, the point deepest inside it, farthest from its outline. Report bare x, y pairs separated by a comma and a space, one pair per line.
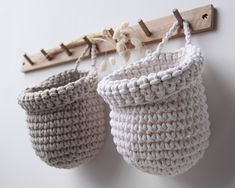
65, 116
159, 115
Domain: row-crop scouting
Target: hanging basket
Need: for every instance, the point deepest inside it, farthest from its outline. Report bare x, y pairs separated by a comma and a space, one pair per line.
159, 117
66, 119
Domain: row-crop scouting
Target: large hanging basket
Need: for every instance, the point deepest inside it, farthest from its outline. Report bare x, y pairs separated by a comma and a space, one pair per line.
66, 119
158, 107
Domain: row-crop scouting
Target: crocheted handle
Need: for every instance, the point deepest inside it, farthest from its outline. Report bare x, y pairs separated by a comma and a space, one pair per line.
170, 32
78, 61
93, 60
92, 48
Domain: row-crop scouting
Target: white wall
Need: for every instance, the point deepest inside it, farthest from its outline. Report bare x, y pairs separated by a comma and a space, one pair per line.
27, 26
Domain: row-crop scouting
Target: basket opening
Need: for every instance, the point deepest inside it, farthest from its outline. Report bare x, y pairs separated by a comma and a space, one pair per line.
59, 80
162, 62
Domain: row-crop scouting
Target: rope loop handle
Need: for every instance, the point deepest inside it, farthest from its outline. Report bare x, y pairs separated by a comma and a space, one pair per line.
93, 59
93, 55
170, 32
92, 50
78, 61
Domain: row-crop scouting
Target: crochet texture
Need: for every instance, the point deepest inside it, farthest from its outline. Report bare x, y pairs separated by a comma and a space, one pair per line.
159, 117
65, 116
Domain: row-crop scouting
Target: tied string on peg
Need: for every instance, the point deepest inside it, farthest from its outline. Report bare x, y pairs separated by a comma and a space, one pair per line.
144, 27
178, 17
90, 43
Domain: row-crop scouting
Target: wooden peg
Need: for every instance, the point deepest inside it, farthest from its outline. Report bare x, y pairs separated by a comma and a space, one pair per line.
85, 38
46, 55
89, 43
144, 28
28, 59
178, 17
200, 18
65, 48
111, 31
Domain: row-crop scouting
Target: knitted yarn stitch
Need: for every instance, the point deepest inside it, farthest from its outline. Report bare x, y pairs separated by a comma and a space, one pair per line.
159, 119
65, 117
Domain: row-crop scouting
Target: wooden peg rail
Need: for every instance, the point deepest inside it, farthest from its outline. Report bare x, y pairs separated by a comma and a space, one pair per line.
201, 19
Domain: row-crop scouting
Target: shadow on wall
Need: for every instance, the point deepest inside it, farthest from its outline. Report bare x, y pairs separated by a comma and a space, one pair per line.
217, 168
103, 170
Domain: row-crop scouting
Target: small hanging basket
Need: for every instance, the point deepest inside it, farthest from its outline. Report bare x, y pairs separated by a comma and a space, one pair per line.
65, 116
159, 115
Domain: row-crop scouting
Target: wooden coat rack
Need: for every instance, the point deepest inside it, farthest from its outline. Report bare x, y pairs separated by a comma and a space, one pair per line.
201, 19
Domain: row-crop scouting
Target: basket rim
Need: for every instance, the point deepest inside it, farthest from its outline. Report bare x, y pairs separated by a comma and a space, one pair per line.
30, 100
109, 87
29, 90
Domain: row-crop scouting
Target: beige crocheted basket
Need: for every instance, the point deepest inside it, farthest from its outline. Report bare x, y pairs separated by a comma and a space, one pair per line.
158, 107
65, 116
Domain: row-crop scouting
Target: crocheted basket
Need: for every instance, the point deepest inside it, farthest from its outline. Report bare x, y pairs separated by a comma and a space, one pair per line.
159, 117
65, 116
